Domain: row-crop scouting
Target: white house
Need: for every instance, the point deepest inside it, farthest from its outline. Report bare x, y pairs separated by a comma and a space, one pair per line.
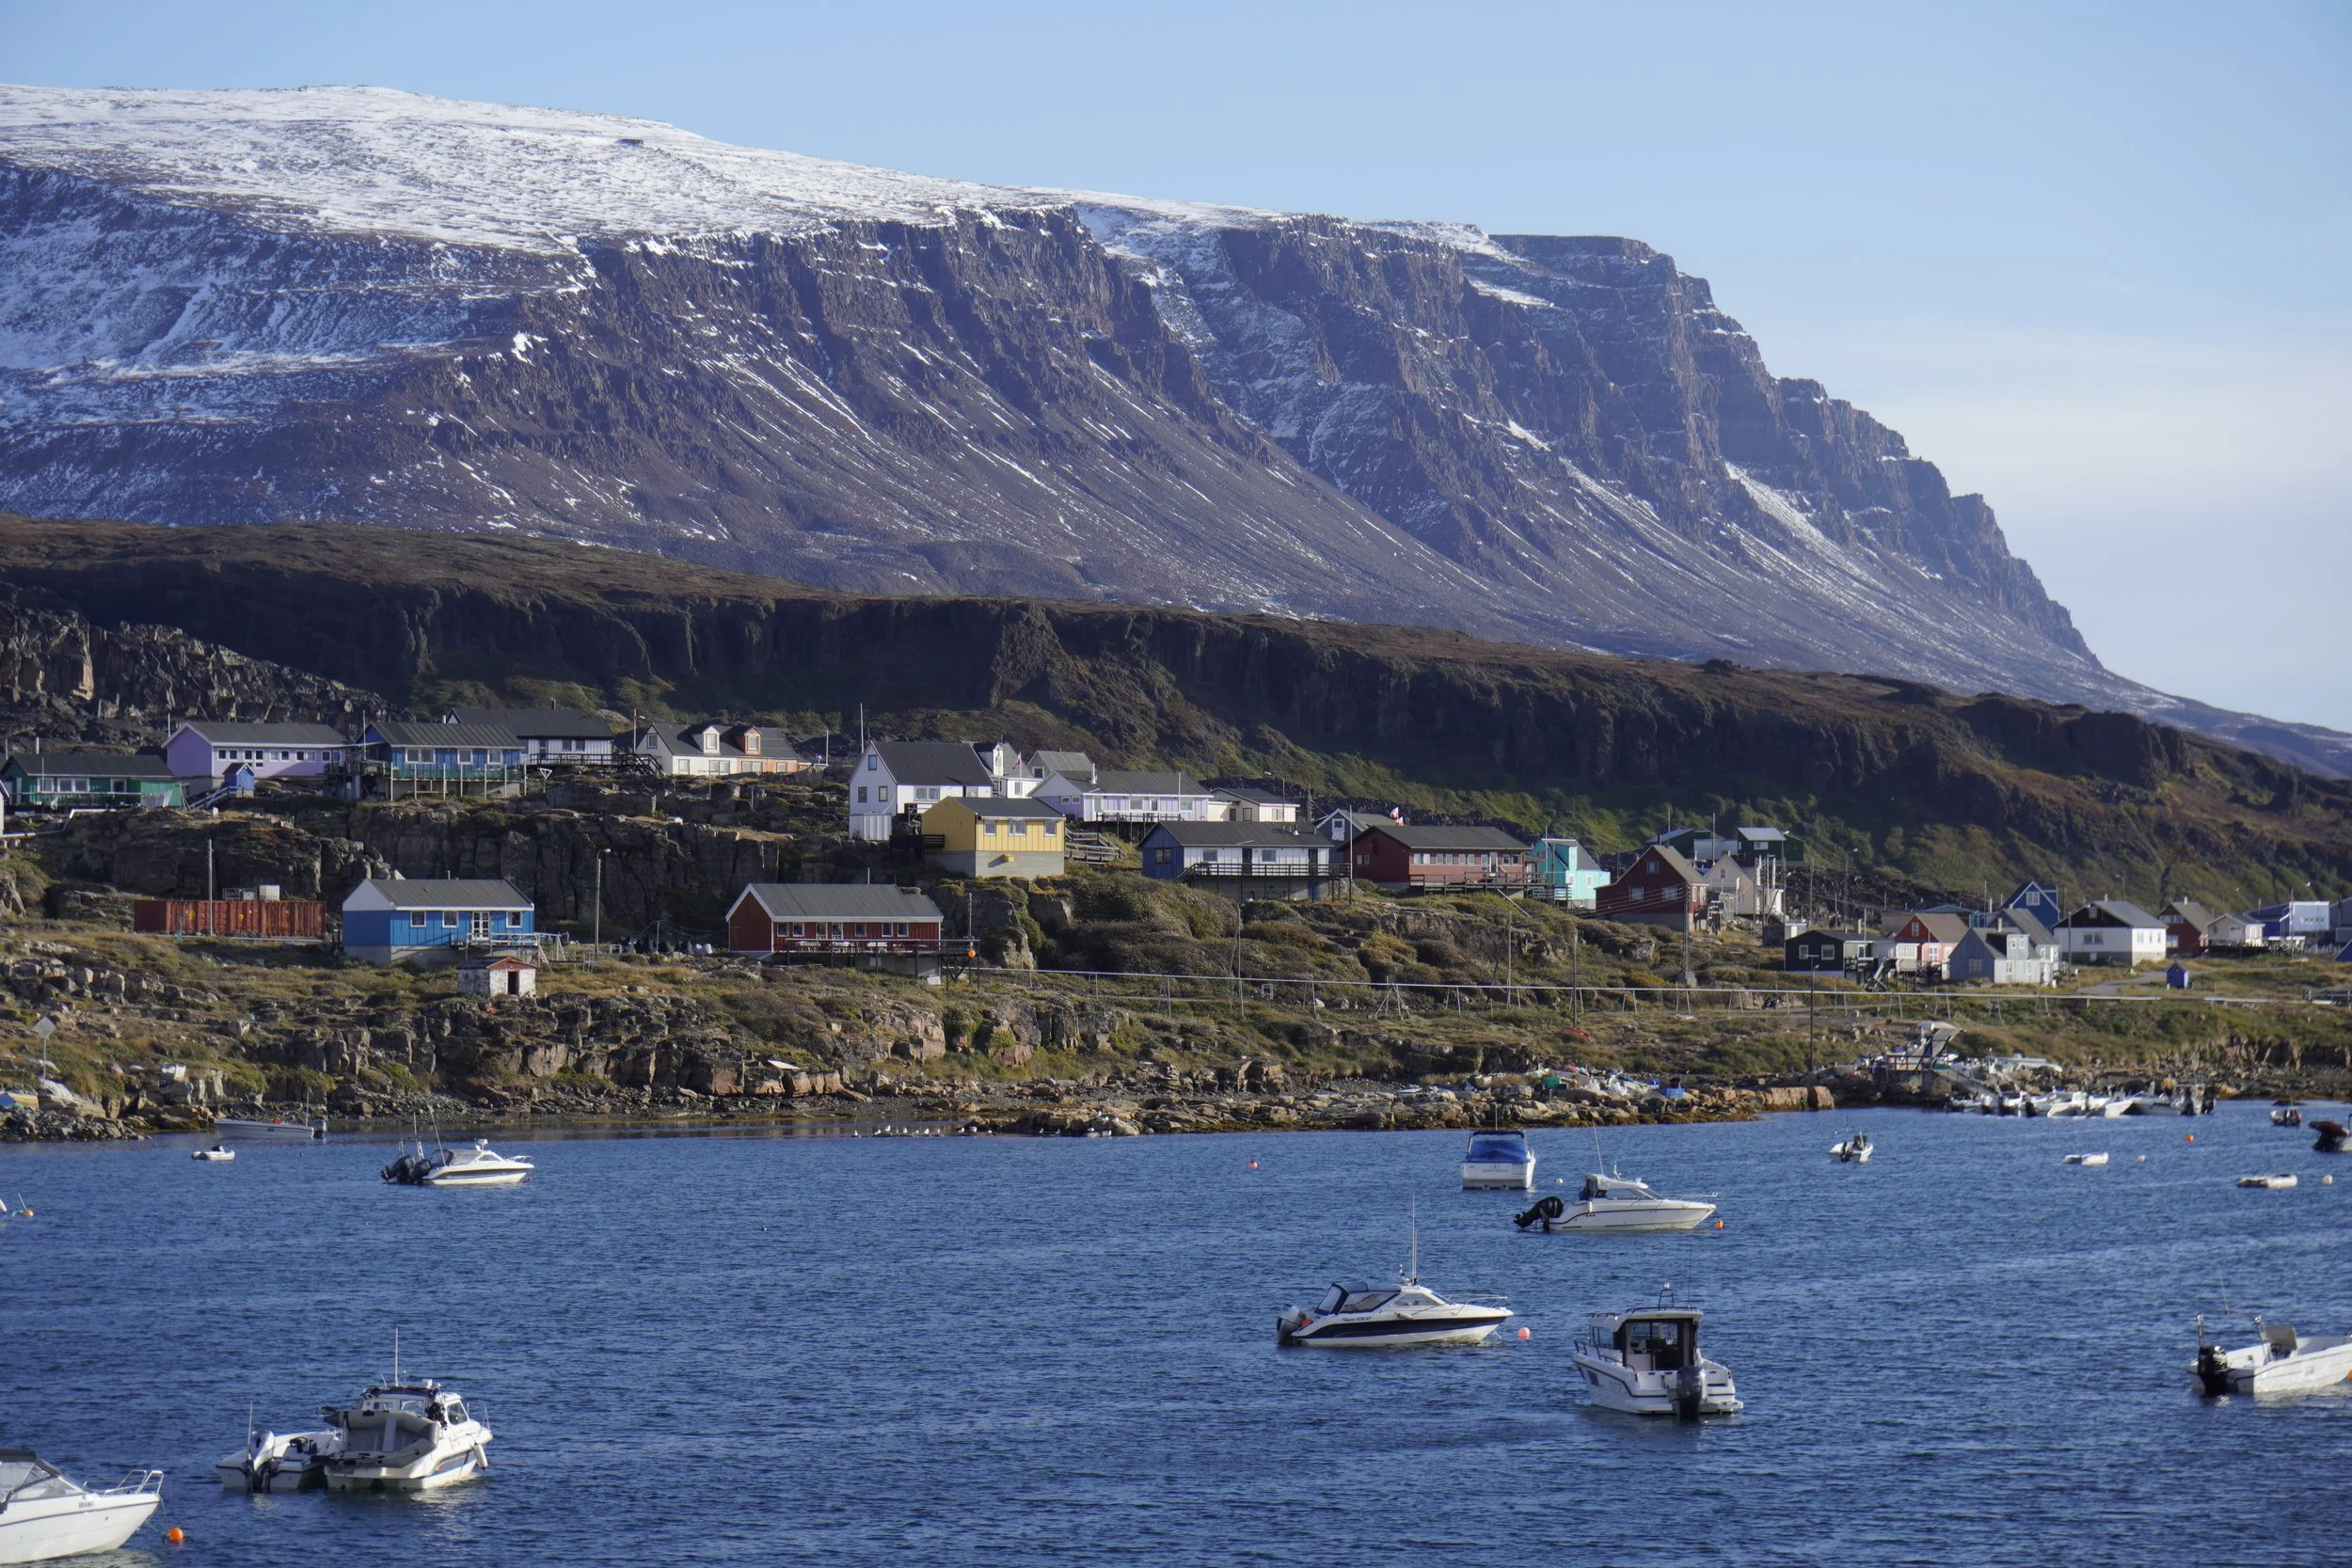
715, 751
207, 748
1734, 890
1116, 796
1258, 805
2111, 932
2004, 955
2235, 930
893, 775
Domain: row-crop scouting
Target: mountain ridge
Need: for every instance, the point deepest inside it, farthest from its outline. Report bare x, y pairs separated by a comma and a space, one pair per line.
362, 304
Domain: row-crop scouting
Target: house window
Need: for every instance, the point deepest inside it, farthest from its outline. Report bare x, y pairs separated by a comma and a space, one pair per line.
1051, 827
860, 795
416, 918
872, 762
449, 918
903, 929
1163, 855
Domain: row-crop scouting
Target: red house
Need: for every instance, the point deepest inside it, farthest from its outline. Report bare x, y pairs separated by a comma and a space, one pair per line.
848, 918
1396, 856
1662, 888
2185, 923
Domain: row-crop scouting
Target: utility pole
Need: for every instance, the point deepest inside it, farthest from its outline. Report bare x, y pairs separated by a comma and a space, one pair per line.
597, 925
1510, 956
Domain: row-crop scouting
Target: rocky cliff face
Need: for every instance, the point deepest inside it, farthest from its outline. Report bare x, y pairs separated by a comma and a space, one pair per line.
361, 304
64, 679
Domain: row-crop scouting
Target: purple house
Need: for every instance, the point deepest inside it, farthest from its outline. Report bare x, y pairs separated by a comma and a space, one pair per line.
202, 749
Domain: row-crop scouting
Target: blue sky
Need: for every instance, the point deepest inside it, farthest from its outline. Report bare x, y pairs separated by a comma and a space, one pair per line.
2089, 259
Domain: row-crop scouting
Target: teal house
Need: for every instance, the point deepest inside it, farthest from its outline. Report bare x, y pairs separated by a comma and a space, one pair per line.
64, 781
1566, 872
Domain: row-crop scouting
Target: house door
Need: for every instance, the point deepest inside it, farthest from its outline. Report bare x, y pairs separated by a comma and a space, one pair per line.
478, 927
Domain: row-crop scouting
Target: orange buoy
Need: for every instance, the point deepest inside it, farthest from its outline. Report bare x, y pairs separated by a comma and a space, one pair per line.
1719, 1224
1523, 1333
1254, 1164
2188, 1137
175, 1535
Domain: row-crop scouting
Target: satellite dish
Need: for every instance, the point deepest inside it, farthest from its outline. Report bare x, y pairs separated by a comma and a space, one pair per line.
45, 1028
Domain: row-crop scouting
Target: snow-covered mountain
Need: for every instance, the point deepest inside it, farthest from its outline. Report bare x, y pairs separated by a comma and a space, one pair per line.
353, 303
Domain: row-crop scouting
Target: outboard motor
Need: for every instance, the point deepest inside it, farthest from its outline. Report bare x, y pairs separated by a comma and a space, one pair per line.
1546, 1209
2213, 1372
1690, 1388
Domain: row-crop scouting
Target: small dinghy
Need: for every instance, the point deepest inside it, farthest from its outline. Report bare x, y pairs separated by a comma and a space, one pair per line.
219, 1155
2276, 1183
2282, 1362
1648, 1362
1855, 1150
2085, 1159
280, 1461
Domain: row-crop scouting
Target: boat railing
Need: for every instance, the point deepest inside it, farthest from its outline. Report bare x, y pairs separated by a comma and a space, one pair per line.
132, 1482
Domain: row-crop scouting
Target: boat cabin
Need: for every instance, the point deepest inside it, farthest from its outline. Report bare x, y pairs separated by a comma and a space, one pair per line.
1356, 1298
1663, 1339
392, 1417
25, 1475
1597, 1187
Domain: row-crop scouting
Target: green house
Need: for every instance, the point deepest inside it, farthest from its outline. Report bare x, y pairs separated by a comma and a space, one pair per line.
66, 779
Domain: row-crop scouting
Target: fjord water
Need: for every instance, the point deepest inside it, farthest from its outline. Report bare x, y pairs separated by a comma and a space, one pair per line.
732, 1348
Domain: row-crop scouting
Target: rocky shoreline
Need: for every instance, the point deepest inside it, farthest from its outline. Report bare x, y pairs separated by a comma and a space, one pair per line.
1104, 1106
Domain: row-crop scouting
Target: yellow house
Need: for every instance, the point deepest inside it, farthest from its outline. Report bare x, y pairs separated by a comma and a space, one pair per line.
983, 835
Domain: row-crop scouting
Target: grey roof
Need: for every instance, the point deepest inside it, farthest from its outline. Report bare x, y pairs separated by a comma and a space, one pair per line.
673, 739
933, 761
544, 723
997, 805
1820, 932
1456, 838
1258, 797
399, 732
838, 901
1762, 835
224, 733
1109, 780
1675, 859
463, 893
2030, 925
2114, 911
2192, 911
1074, 766
1236, 835
1942, 924
121, 764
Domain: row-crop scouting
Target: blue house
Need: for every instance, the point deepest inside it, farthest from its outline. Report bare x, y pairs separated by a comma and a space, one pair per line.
392, 920
1241, 860
2032, 898
444, 752
1566, 870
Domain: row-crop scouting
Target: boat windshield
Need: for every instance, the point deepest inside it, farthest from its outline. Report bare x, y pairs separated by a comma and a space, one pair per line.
1496, 1148
1367, 1301
1613, 1186
27, 1475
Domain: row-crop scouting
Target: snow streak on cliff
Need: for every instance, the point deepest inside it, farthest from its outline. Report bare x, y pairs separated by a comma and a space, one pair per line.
351, 303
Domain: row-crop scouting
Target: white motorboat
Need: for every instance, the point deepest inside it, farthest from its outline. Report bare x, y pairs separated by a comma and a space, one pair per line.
478, 1166
44, 1515
405, 1436
1855, 1150
2117, 1106
1648, 1362
1374, 1317
1615, 1203
2281, 1362
1367, 1317
1498, 1159
280, 1462
2276, 1184
250, 1127
2153, 1105
219, 1155
2086, 1160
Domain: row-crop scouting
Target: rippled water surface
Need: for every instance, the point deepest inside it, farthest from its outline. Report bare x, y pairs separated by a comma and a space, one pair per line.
823, 1350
